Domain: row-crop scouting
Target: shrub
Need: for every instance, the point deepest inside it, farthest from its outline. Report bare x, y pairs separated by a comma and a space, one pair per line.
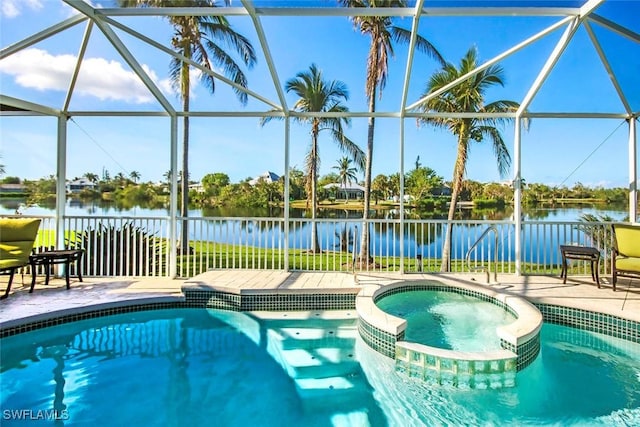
125, 251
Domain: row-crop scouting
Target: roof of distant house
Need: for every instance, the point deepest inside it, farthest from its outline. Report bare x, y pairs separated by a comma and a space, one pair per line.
347, 187
267, 177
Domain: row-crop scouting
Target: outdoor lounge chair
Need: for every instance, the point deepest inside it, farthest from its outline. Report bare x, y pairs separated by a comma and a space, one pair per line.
626, 252
17, 236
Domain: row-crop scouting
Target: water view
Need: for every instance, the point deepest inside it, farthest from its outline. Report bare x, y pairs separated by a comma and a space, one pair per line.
564, 212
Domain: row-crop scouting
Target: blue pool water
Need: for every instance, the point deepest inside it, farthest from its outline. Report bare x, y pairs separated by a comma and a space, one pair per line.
210, 367
447, 319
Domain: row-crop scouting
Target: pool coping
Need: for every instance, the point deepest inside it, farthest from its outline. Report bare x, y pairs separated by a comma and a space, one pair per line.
612, 313
70, 314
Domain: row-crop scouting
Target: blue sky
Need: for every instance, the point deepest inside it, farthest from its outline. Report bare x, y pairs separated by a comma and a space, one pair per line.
555, 151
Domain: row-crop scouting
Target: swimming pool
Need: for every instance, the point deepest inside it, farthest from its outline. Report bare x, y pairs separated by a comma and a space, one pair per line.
203, 367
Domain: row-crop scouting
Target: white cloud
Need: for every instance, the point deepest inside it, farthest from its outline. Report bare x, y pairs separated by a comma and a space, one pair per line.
13, 8
99, 77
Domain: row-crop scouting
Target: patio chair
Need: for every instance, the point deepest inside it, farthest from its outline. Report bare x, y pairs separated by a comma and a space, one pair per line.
626, 252
17, 237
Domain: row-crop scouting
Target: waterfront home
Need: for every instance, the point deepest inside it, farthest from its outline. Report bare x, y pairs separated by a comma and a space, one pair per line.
79, 185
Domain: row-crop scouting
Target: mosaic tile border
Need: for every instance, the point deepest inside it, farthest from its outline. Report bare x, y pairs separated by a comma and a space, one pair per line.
89, 314
381, 341
270, 301
445, 288
592, 321
461, 371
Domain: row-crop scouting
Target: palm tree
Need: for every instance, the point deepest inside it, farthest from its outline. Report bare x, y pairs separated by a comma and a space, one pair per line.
92, 177
315, 96
120, 178
134, 175
346, 172
201, 39
468, 96
383, 33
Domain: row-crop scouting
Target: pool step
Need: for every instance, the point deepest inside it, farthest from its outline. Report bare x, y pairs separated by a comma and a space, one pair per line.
341, 393
317, 350
319, 362
322, 363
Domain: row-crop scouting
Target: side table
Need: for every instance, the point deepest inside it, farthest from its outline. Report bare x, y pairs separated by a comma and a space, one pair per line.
582, 253
49, 258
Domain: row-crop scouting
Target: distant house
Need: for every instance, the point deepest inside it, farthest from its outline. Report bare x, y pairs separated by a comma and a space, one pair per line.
268, 177
350, 190
12, 188
80, 184
196, 187
441, 191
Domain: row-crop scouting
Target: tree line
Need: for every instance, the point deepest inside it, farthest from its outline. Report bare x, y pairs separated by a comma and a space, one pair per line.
424, 187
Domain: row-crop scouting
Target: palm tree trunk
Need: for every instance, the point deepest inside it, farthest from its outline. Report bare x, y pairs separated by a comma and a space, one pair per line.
364, 241
458, 174
315, 244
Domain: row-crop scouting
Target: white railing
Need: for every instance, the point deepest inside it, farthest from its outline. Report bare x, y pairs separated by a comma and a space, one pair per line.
136, 246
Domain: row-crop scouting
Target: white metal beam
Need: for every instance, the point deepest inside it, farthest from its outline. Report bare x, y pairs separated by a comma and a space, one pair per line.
76, 70
173, 199
517, 196
492, 61
560, 47
46, 33
500, 11
556, 115
267, 53
588, 8
607, 66
28, 106
633, 171
549, 64
260, 11
129, 58
616, 28
409, 67
341, 11
352, 114
190, 62
401, 165
287, 190
61, 180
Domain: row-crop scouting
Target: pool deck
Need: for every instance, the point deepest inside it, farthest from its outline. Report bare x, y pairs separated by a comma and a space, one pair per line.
21, 307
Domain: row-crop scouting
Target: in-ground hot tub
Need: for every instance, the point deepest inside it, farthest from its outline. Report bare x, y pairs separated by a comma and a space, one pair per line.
462, 335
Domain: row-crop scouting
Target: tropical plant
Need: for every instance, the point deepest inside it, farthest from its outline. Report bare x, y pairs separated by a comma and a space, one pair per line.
599, 234
120, 179
346, 172
201, 39
380, 187
315, 95
383, 33
214, 182
134, 175
92, 177
134, 251
421, 181
468, 96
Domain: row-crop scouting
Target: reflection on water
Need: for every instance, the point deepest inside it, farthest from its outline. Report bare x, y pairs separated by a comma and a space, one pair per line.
75, 207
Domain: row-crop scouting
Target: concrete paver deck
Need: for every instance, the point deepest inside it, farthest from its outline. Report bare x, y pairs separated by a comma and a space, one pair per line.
579, 292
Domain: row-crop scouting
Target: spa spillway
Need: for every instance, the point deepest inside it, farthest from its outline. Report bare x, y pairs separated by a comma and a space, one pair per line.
460, 335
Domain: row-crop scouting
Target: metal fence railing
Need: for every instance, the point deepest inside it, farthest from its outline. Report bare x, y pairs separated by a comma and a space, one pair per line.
138, 246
